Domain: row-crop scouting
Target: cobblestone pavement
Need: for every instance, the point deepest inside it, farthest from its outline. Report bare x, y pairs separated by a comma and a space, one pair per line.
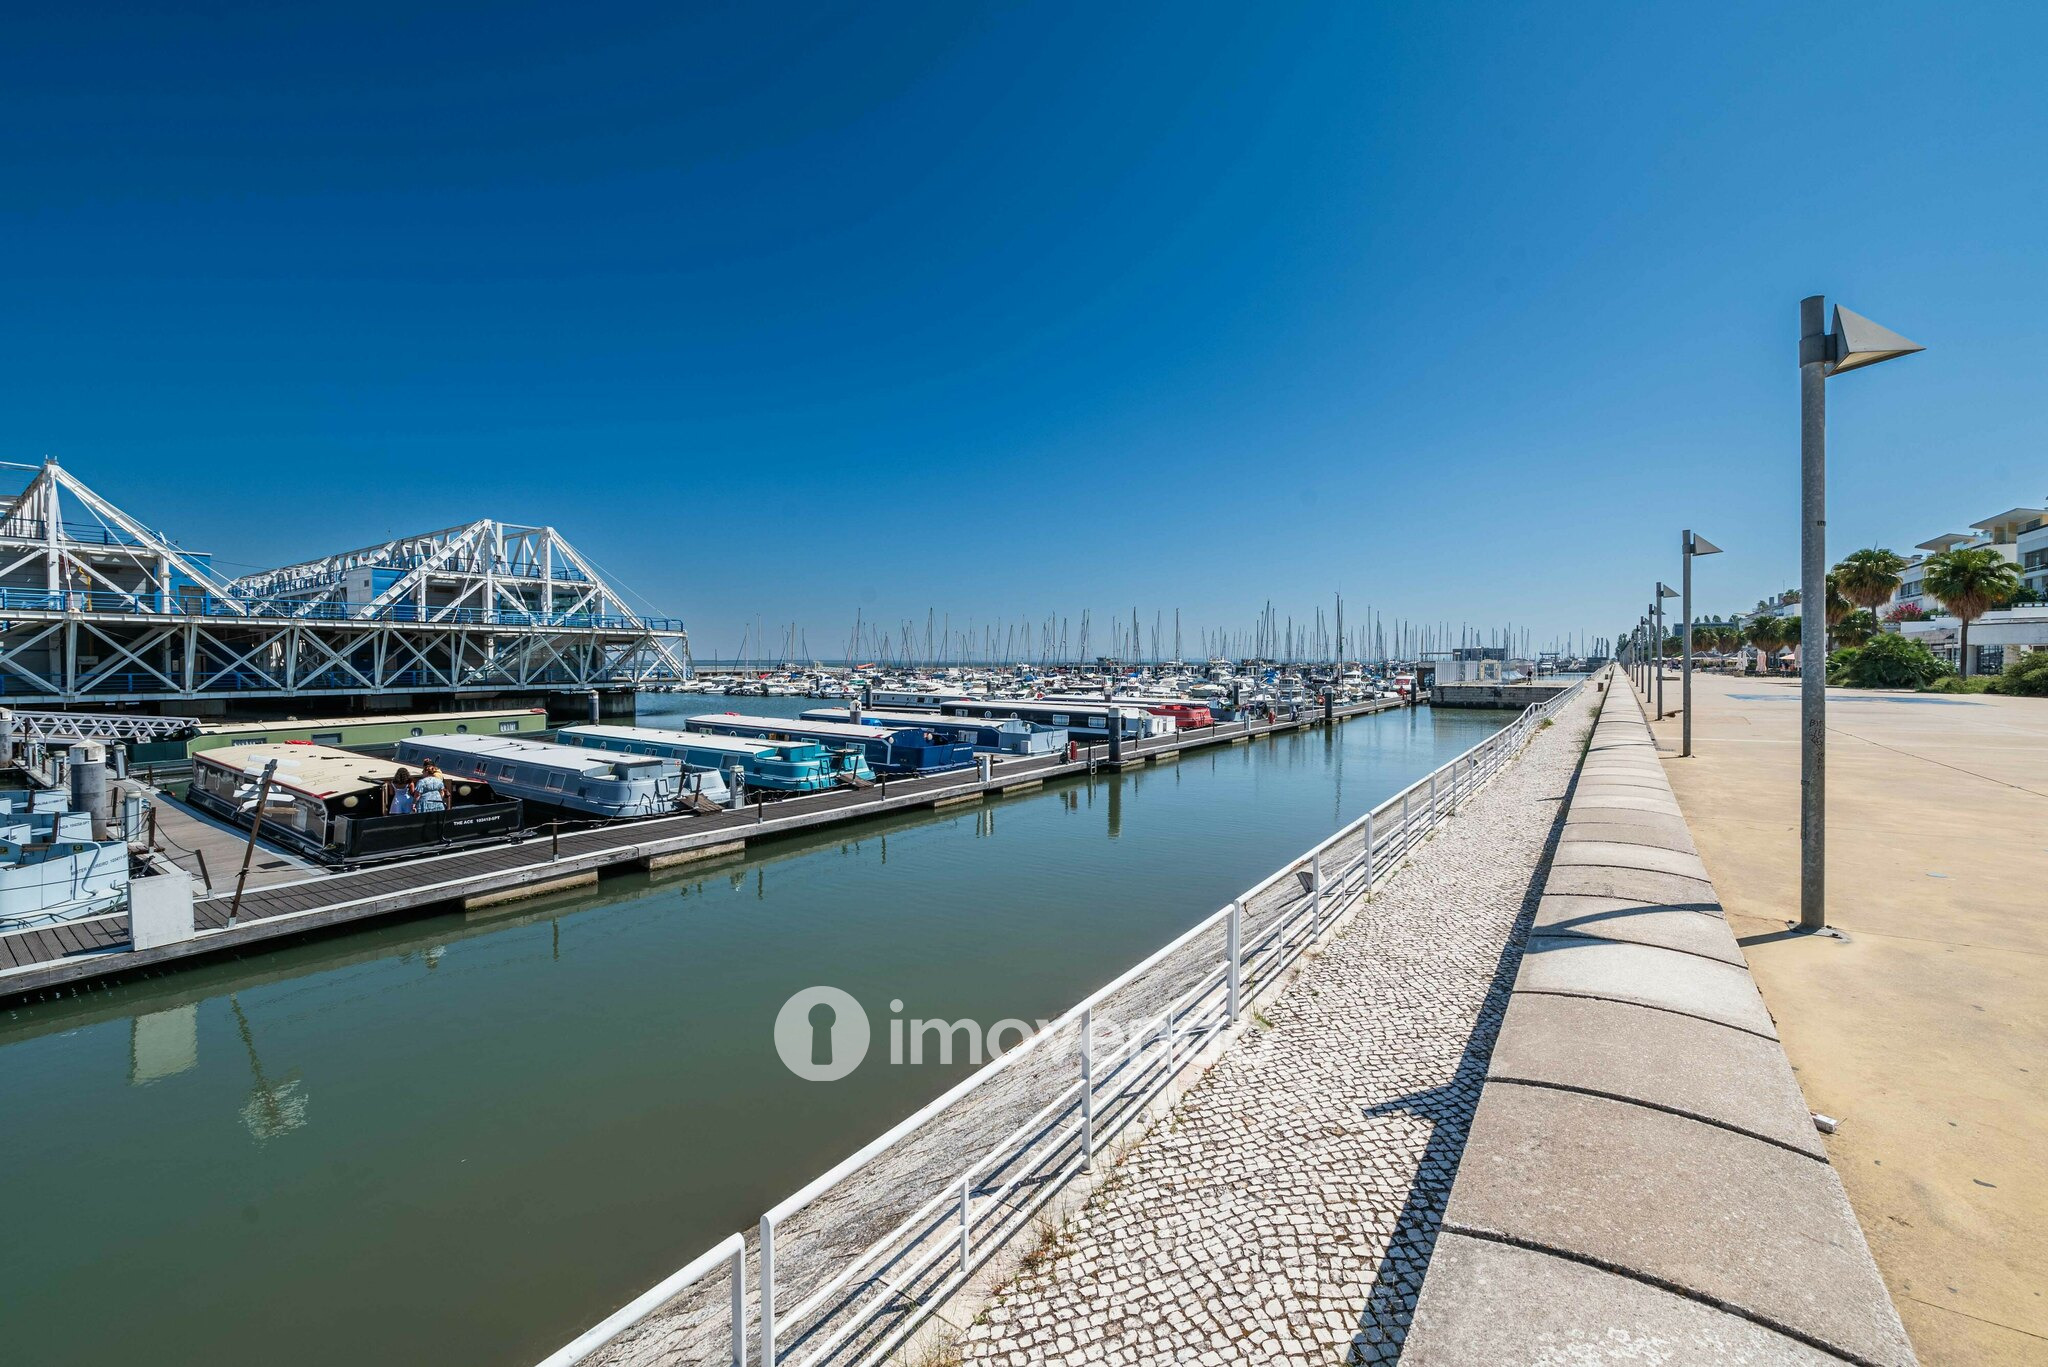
1285, 1212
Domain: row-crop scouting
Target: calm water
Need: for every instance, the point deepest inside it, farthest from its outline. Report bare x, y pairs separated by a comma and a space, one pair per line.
461, 1140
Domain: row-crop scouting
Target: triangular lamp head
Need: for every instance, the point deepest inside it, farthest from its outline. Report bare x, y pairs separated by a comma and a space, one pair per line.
1859, 342
1702, 546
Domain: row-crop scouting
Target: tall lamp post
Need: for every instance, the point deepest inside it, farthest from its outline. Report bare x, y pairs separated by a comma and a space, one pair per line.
1854, 343
1690, 546
1662, 593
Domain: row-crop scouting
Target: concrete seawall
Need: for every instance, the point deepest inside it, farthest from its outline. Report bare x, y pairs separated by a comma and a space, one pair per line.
1643, 1181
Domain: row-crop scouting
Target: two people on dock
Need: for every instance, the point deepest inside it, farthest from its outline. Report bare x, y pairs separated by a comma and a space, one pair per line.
404, 795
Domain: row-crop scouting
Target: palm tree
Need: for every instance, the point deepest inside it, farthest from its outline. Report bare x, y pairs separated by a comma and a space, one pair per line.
1971, 581
1766, 633
1857, 628
1868, 577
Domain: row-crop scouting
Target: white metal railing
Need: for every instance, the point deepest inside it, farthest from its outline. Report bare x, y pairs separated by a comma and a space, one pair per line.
729, 1252
934, 1248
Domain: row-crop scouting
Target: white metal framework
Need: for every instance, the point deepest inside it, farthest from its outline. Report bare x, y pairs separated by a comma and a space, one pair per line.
94, 606
69, 727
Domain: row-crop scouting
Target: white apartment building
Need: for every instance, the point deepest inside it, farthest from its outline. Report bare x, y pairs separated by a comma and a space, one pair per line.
2020, 535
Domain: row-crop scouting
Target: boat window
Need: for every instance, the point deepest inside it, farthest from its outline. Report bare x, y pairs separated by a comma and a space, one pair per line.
1059, 719
419, 731
506, 727
555, 782
462, 728
252, 740
327, 738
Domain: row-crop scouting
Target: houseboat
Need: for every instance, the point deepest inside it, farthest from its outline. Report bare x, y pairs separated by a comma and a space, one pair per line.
908, 699
371, 735
569, 780
1085, 722
1184, 713
893, 750
772, 766
995, 736
51, 868
329, 804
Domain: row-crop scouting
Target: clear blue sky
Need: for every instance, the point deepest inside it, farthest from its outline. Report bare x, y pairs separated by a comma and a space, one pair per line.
1019, 309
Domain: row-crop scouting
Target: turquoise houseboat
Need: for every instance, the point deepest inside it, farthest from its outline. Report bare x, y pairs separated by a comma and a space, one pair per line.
772, 766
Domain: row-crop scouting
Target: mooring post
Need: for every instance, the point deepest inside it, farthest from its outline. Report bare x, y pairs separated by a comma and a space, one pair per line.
249, 851
554, 841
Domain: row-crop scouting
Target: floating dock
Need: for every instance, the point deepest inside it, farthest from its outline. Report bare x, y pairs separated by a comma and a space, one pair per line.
71, 961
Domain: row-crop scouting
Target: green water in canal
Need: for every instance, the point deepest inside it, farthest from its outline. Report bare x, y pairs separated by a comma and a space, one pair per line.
461, 1140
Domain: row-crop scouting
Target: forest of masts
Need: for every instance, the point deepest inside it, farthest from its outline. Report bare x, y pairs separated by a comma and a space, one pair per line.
1055, 640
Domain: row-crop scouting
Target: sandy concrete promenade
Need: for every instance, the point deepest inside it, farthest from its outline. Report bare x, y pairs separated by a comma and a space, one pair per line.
1926, 1031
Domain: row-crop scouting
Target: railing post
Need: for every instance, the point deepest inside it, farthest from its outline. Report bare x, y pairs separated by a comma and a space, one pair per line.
1088, 1089
1233, 939
966, 1239
1315, 878
1169, 1045
767, 1291
1432, 799
739, 1306
1368, 853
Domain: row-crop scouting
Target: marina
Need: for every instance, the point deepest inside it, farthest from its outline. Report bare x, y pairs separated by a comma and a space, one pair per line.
546, 861
626, 1047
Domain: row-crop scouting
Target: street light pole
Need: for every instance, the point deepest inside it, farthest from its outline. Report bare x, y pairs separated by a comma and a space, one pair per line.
1855, 342
1689, 546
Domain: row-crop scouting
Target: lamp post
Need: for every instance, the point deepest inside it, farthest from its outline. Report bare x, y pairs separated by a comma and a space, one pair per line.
1855, 342
1690, 546
1662, 593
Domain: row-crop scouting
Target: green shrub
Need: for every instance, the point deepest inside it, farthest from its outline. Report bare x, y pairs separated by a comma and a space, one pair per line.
1888, 661
1976, 683
2025, 676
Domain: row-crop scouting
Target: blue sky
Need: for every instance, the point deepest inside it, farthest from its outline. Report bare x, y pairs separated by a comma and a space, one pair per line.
1015, 310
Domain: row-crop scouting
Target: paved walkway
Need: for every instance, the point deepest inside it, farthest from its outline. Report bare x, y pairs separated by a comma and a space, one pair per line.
1286, 1210
1926, 1032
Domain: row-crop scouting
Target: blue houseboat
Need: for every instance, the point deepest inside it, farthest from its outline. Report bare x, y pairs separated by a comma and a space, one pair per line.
773, 766
574, 780
898, 750
1005, 736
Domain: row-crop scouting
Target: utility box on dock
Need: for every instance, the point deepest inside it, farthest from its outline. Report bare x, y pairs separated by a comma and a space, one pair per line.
160, 909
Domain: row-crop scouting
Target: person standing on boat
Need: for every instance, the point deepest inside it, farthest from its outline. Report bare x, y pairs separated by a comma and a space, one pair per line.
433, 789
400, 799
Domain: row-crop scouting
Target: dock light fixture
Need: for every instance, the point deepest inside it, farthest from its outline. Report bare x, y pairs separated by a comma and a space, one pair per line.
1856, 342
1663, 592
1690, 545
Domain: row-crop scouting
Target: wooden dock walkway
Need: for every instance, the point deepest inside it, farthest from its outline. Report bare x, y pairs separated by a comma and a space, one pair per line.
292, 902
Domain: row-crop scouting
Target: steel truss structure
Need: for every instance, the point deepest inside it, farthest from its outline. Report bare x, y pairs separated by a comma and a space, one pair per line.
67, 728
96, 607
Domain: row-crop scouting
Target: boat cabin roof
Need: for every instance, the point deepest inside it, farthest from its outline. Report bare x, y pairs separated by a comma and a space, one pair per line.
581, 759
230, 728
315, 770
732, 745
796, 726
